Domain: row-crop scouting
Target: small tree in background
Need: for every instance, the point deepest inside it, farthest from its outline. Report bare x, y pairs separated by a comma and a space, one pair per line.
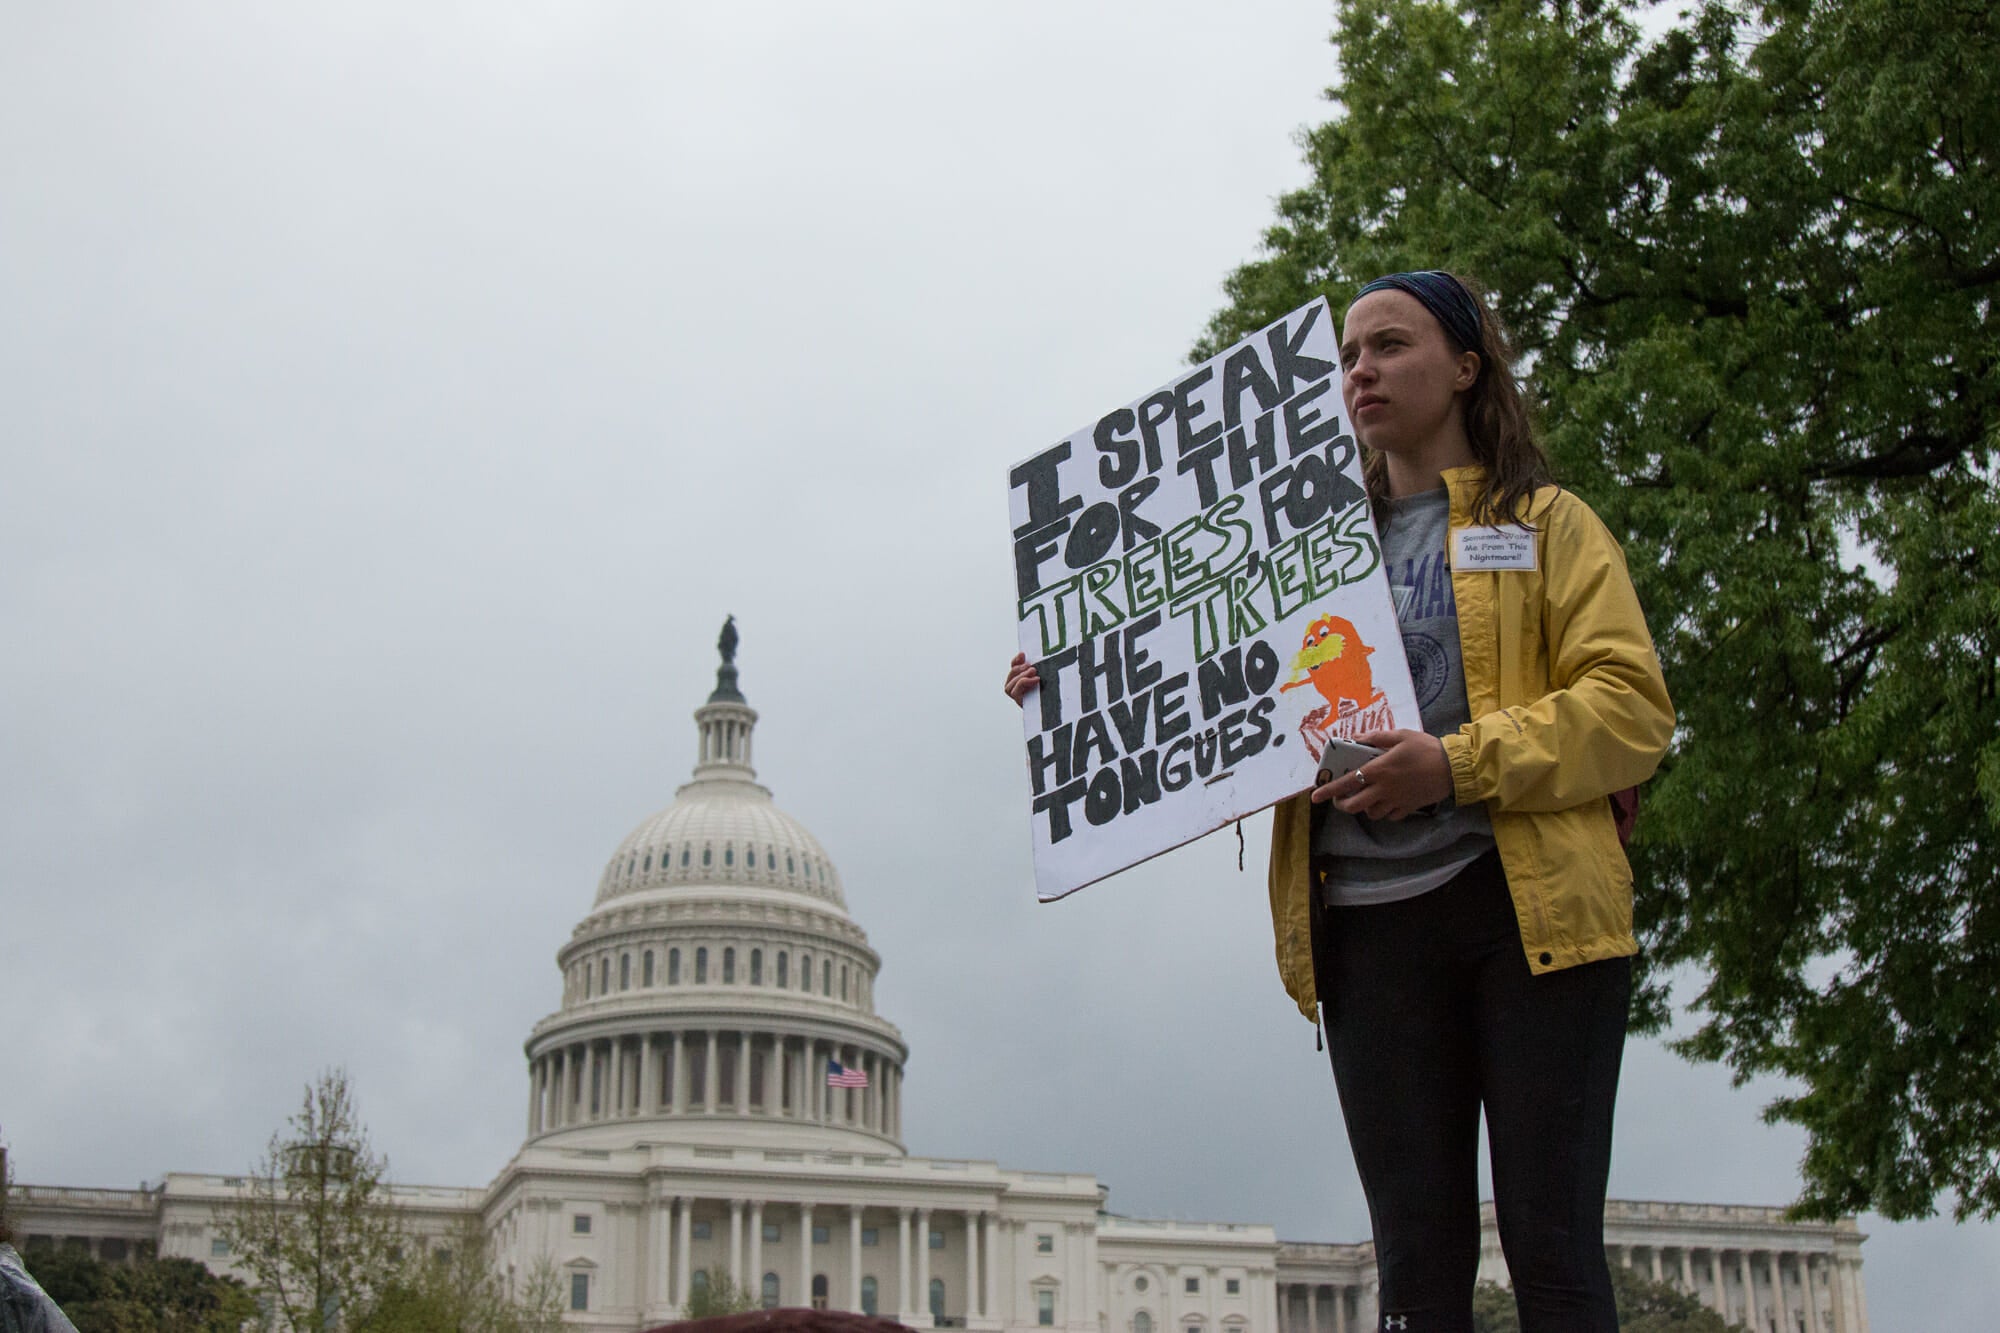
455, 1289
718, 1296
313, 1230
147, 1296
1644, 1306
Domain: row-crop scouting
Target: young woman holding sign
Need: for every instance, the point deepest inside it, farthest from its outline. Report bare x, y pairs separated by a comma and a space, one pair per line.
1458, 911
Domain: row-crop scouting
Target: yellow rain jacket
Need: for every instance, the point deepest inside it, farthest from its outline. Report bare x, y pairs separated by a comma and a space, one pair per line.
1568, 706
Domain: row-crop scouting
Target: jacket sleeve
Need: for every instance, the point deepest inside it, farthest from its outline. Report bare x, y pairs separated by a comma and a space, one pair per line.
1606, 718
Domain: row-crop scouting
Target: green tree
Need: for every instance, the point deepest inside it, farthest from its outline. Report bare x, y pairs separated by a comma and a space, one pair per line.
455, 1289
1644, 1306
313, 1229
1751, 261
718, 1295
147, 1296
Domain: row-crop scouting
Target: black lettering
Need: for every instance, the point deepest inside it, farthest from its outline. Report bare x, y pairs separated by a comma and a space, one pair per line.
1052, 754
1141, 779
1201, 462
1050, 670
1204, 752
1100, 806
1288, 361
1187, 411
1091, 734
1135, 528
1031, 549
1121, 456
1057, 804
1174, 772
1169, 704
1242, 452
1238, 746
1260, 667
1137, 676
1090, 669
1090, 540
1130, 719
1245, 370
1222, 683
1046, 503
1154, 413
1305, 428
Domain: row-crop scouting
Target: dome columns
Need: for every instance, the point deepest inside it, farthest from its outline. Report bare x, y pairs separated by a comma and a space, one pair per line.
714, 1071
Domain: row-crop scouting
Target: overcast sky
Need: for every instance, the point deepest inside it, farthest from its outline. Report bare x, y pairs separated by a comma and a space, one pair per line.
396, 397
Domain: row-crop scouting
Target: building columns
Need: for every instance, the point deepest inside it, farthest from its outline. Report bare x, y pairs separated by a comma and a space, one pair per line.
755, 1276
924, 1260
805, 1256
743, 1074
683, 1249
1778, 1292
989, 1246
711, 1098
854, 1257
1749, 1288
736, 1241
903, 1264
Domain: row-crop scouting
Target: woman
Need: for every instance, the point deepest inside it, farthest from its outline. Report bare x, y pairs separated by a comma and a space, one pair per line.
1459, 910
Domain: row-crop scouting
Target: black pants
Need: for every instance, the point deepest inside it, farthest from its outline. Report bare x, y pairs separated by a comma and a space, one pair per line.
1432, 1014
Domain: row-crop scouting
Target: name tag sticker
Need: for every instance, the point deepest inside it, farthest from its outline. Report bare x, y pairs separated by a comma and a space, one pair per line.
1507, 547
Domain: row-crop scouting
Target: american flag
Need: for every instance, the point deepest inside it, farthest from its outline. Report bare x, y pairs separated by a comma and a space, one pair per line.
839, 1076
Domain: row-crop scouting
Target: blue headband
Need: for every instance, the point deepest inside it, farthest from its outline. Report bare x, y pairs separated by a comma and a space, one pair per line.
1444, 296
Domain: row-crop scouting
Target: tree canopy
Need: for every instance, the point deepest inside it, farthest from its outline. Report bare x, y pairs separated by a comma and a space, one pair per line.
145, 1296
1750, 258
1644, 1306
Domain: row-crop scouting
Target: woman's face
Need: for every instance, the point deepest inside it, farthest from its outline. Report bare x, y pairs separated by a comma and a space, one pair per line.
1400, 374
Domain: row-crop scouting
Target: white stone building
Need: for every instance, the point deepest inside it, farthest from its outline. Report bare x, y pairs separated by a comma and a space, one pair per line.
680, 1119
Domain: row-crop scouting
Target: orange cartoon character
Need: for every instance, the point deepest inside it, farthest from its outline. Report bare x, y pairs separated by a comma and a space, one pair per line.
1335, 663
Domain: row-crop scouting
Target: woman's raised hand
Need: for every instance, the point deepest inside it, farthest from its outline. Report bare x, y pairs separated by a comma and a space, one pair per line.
1021, 678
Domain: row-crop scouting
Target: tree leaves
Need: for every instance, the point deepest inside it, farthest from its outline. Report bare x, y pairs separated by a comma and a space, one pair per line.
1751, 262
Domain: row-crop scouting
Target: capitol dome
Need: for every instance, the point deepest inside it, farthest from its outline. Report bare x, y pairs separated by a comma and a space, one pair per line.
718, 991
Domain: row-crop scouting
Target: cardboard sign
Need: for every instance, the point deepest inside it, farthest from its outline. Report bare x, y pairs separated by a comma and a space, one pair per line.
1200, 585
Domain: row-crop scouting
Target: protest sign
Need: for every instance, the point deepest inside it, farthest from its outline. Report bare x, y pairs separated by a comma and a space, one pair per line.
1200, 586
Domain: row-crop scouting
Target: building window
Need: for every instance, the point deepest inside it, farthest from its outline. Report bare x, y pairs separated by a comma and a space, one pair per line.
684, 857
1232, 1286
701, 1231
1045, 1243
769, 1296
604, 977
868, 1290
756, 967
770, 859
790, 869
1193, 1286
1142, 1323
821, 1236
580, 1224
1139, 1283
826, 977
937, 1294
708, 856
701, 965
783, 979
646, 969
698, 1283
624, 971
774, 1231
579, 1291
218, 1248
870, 1236
937, 1240
805, 971
843, 983
1045, 1308
673, 967
729, 967
819, 1289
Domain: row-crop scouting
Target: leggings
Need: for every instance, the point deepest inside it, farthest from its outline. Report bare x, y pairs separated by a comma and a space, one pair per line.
1431, 1014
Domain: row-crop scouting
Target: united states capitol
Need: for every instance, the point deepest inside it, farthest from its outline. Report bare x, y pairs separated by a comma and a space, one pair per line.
682, 1116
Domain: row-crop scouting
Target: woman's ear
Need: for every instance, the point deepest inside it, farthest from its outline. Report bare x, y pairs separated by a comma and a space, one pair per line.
1467, 373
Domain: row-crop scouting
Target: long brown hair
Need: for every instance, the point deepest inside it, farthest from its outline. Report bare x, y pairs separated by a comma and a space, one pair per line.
1498, 425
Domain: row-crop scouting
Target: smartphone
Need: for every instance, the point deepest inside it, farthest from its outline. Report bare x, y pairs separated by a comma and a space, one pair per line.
1340, 758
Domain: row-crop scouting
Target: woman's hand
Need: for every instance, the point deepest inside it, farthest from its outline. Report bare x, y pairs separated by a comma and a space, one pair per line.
1410, 775
1021, 678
